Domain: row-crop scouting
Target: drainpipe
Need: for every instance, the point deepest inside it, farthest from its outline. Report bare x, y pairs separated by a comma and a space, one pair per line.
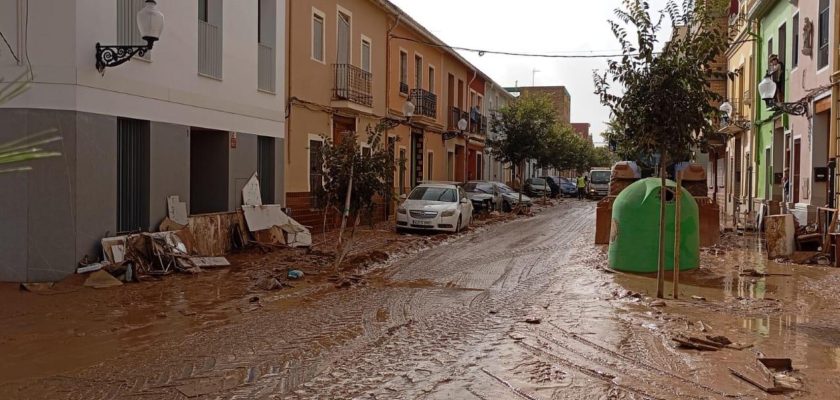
388, 62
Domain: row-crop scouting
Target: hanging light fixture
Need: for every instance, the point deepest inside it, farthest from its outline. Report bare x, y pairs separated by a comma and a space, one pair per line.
150, 23
767, 90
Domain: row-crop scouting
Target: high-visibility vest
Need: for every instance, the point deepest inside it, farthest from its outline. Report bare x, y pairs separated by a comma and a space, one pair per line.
581, 182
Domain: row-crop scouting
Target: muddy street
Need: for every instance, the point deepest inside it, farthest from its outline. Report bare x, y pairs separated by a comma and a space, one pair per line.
519, 310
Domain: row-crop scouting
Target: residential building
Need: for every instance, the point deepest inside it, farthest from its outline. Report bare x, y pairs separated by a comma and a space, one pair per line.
496, 99
337, 75
834, 200
772, 143
558, 95
195, 117
582, 129
739, 126
810, 65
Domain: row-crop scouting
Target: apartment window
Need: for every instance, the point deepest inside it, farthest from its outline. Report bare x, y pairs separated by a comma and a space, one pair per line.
403, 72
770, 47
210, 38
783, 44
316, 173
366, 54
822, 39
132, 174
266, 33
431, 79
127, 31
418, 72
318, 36
430, 162
794, 61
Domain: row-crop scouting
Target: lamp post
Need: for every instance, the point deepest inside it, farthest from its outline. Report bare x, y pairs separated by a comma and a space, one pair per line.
462, 126
726, 116
150, 22
767, 90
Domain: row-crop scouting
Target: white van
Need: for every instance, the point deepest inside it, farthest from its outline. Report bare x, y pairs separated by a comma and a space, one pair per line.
599, 182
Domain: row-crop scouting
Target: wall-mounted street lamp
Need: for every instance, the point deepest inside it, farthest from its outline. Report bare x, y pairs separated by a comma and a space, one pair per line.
408, 110
462, 126
767, 90
150, 23
726, 117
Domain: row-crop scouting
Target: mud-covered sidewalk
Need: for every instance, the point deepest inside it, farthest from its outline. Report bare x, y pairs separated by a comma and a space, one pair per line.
519, 309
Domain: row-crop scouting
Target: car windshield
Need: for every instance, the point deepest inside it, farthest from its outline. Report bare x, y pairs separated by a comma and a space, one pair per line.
600, 177
538, 181
434, 194
505, 189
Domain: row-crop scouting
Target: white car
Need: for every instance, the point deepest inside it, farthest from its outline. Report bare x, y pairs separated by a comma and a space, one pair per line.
435, 206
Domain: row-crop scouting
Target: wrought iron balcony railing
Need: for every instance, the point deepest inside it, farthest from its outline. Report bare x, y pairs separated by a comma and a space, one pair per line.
425, 103
353, 84
455, 114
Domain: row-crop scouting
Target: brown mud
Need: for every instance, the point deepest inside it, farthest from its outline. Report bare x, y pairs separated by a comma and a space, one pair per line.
520, 310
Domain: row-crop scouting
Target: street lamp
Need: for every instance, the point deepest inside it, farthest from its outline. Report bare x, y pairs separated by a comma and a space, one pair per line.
726, 110
767, 90
408, 109
149, 22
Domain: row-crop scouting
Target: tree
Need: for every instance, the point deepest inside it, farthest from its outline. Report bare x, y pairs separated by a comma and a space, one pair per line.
601, 157
353, 178
29, 147
667, 104
524, 126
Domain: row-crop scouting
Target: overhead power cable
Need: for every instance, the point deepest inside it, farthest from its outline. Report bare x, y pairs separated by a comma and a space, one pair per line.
482, 52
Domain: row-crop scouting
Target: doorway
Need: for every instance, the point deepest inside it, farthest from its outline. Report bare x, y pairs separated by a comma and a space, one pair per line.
797, 145
209, 175
416, 156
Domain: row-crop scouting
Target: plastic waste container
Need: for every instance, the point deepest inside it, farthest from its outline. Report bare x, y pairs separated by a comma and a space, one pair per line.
634, 234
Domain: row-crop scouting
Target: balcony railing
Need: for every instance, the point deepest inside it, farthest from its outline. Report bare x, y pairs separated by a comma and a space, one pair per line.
455, 114
209, 50
353, 84
425, 103
265, 68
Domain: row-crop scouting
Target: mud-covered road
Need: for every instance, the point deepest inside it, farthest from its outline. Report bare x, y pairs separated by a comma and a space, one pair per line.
520, 310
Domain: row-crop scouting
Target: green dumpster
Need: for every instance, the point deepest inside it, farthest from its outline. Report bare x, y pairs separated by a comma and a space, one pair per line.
634, 234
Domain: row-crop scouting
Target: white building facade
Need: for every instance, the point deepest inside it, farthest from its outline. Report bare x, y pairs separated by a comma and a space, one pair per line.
495, 98
195, 117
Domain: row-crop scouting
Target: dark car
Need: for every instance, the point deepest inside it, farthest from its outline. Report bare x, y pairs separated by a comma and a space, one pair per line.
553, 184
504, 198
537, 187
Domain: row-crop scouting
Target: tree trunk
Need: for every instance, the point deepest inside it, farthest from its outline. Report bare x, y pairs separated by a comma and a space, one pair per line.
660, 270
344, 214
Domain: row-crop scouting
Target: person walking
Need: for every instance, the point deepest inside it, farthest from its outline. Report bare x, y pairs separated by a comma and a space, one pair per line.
581, 186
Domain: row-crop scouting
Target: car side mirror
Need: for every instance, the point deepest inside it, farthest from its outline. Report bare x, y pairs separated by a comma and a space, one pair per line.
464, 200
403, 196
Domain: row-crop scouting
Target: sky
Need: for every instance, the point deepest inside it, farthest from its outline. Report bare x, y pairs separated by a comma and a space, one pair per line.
532, 26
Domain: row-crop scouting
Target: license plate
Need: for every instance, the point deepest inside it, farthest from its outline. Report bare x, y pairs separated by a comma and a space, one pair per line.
420, 222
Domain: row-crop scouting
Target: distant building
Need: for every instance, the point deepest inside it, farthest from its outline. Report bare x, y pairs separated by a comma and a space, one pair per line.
582, 129
558, 95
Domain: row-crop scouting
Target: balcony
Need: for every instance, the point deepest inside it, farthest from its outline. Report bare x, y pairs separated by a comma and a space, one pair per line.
209, 50
403, 88
265, 68
455, 114
352, 88
425, 105
738, 122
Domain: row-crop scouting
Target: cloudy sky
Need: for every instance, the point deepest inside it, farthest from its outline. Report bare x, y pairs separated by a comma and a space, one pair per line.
531, 26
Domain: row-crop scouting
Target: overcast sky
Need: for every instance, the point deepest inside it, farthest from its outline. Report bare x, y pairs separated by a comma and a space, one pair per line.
531, 26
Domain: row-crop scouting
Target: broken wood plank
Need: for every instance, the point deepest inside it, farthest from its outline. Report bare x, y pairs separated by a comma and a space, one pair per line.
766, 389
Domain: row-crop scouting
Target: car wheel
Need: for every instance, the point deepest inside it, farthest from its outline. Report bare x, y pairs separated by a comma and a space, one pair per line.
506, 207
400, 231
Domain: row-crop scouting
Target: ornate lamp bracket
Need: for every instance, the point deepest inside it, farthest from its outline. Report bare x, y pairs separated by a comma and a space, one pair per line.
113, 55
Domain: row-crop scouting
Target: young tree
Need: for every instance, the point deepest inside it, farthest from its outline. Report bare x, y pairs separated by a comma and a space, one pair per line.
667, 104
524, 126
29, 147
353, 178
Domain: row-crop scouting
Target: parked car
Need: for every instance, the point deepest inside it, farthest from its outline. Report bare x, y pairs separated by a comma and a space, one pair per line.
568, 188
482, 202
537, 187
504, 198
435, 206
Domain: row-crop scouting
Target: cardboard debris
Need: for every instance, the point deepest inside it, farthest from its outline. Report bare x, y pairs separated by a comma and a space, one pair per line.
251, 193
213, 234
92, 267
266, 217
207, 262
102, 279
107, 248
177, 210
170, 225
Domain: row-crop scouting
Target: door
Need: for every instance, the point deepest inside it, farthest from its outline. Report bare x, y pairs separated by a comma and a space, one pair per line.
343, 55
768, 173
796, 169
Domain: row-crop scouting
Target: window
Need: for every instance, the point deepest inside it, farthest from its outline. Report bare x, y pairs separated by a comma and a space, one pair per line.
318, 36
418, 71
265, 168
770, 47
822, 40
265, 45
366, 54
127, 31
430, 166
403, 72
431, 79
366, 150
210, 38
783, 44
430, 193
316, 173
794, 61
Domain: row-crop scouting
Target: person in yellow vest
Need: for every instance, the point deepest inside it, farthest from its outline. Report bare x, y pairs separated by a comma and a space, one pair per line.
581, 186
